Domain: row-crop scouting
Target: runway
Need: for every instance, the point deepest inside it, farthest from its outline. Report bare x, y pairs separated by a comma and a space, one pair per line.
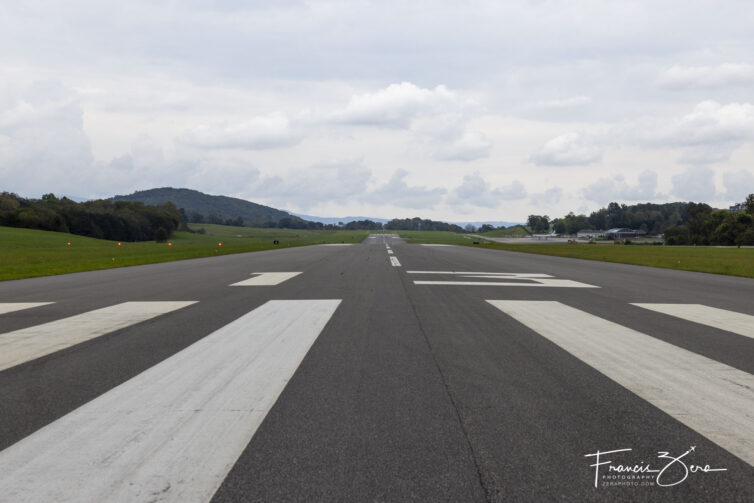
381, 371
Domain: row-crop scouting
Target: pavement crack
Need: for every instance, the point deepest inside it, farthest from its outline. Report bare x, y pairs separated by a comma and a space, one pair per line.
480, 476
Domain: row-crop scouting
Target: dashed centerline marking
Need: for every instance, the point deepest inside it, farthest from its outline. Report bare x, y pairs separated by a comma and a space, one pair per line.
394, 262
267, 279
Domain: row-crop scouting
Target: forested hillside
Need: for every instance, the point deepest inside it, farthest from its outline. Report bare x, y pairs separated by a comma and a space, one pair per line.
119, 220
200, 207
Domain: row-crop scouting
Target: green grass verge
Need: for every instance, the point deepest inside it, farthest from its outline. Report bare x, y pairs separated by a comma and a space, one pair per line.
25, 253
516, 231
730, 261
437, 237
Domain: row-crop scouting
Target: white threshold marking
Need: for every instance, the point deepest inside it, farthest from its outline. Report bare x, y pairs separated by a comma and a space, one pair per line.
534, 279
546, 283
173, 432
9, 307
709, 397
267, 279
29, 343
487, 274
394, 262
738, 323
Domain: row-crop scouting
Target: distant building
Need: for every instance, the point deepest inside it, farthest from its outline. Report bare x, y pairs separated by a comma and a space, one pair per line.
590, 234
621, 233
736, 208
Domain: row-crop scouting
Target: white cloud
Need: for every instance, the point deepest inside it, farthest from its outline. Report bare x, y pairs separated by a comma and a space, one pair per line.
570, 149
338, 181
726, 74
469, 147
265, 132
574, 101
475, 191
543, 200
708, 134
696, 184
605, 190
396, 192
439, 115
399, 104
738, 184
43, 147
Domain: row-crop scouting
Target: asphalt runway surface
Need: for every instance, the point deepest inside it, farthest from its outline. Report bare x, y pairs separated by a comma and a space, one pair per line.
377, 372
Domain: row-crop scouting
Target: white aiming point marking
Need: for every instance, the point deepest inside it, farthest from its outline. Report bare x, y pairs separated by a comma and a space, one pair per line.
519, 279
267, 279
173, 432
709, 397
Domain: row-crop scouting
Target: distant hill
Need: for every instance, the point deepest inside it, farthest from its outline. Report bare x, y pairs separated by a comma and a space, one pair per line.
336, 220
193, 201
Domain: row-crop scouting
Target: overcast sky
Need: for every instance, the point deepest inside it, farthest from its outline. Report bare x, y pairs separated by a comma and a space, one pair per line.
457, 110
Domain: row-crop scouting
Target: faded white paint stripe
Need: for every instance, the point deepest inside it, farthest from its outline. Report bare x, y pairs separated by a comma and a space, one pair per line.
27, 344
738, 323
9, 307
390, 252
544, 282
394, 262
267, 279
487, 274
707, 396
173, 432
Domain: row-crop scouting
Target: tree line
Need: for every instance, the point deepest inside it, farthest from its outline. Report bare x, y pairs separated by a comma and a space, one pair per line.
681, 223
103, 219
704, 225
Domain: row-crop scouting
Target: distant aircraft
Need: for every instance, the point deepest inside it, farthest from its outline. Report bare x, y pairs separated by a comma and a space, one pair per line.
545, 236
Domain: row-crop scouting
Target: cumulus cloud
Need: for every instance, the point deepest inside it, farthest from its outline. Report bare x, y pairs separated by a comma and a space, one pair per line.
439, 115
708, 134
43, 146
574, 101
616, 188
337, 181
696, 183
256, 133
399, 105
570, 149
396, 192
738, 184
726, 74
470, 146
547, 198
475, 191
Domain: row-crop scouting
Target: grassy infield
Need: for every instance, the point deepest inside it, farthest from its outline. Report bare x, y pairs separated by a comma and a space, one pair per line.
26, 253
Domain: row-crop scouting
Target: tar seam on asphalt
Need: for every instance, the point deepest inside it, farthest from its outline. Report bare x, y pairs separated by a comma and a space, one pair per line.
486, 490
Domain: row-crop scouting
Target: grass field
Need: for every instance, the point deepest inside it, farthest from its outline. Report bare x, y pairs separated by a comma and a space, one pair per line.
511, 232
25, 253
731, 261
